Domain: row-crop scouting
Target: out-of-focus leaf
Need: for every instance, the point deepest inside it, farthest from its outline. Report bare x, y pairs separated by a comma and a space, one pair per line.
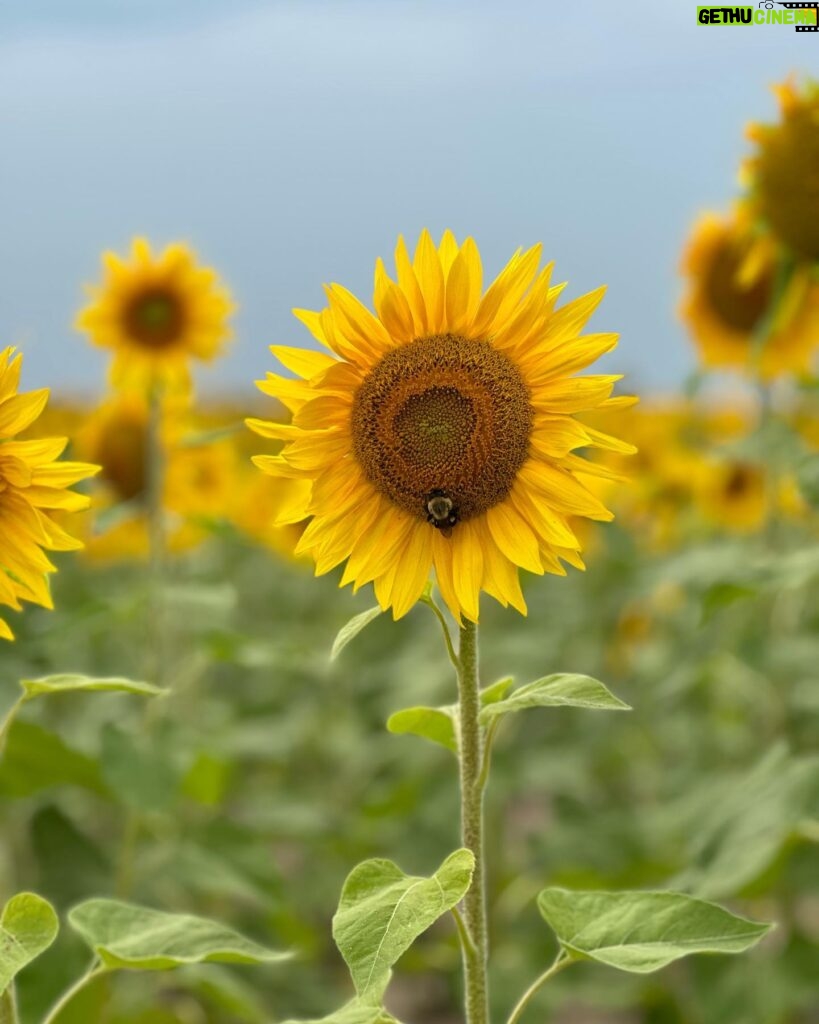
721, 595
37, 759
225, 990
739, 838
78, 683
136, 938
71, 866
140, 775
436, 724
382, 912
28, 926
351, 629
641, 932
560, 690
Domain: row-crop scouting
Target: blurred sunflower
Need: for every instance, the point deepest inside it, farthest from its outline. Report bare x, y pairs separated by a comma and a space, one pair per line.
783, 174
199, 479
735, 495
731, 285
33, 486
440, 432
156, 313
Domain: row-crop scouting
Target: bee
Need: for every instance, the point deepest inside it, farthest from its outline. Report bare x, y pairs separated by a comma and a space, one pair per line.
441, 512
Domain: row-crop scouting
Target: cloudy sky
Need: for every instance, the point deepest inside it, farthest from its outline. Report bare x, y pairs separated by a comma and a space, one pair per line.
292, 141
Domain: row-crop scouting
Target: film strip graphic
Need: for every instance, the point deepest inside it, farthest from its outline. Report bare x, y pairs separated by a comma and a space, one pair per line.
798, 6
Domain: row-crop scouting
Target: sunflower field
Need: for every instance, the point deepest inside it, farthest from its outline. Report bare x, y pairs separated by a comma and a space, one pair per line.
262, 755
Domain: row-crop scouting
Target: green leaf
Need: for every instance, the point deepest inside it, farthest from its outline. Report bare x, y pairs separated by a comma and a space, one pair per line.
353, 1013
138, 770
382, 911
351, 630
735, 839
440, 724
28, 926
643, 931
77, 683
37, 759
561, 690
496, 691
436, 724
140, 939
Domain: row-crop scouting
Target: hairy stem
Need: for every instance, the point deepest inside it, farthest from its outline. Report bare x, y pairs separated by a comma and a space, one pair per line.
471, 763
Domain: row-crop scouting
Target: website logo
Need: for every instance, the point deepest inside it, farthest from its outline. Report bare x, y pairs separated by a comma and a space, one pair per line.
804, 16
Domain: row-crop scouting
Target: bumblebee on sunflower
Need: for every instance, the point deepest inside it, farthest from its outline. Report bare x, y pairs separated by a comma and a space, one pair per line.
440, 432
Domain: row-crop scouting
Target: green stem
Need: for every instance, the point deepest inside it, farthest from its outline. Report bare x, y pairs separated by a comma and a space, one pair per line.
516, 1014
157, 631
471, 763
156, 534
439, 615
8, 1006
95, 971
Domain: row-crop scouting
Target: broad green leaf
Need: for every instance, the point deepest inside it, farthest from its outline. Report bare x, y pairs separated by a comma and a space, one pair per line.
353, 1013
37, 759
28, 926
351, 630
496, 691
643, 931
561, 690
382, 912
436, 724
440, 724
77, 683
137, 938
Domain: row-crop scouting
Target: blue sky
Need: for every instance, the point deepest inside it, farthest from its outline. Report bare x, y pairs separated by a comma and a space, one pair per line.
291, 142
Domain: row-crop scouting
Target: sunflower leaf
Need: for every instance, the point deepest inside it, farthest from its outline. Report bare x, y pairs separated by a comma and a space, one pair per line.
435, 724
355, 1012
351, 629
382, 912
440, 725
126, 936
555, 691
78, 683
641, 932
28, 926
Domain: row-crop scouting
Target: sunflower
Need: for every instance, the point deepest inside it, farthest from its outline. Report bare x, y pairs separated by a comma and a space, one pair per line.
784, 172
440, 432
155, 313
731, 286
736, 496
199, 479
33, 486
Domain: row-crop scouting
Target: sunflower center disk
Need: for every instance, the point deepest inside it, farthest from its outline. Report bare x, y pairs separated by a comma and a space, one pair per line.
154, 318
442, 425
739, 308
